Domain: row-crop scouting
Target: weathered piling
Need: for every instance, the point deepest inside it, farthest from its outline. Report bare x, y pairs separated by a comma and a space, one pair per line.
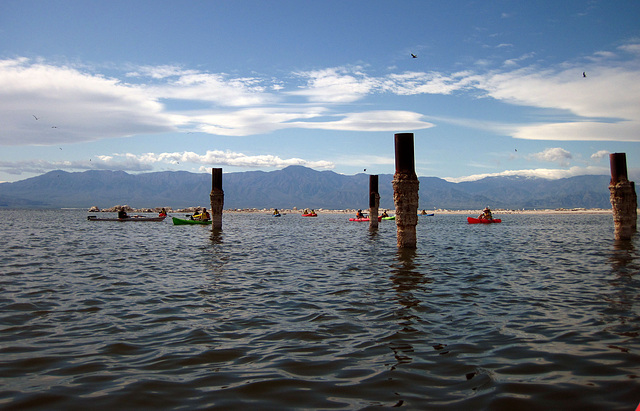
405, 191
624, 201
374, 202
217, 198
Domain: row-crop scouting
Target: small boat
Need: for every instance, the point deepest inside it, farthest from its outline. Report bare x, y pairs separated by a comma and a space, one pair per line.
426, 215
310, 215
391, 217
277, 215
363, 219
180, 221
131, 218
472, 220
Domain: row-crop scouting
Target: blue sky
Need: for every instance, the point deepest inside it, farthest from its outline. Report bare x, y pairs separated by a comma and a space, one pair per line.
497, 87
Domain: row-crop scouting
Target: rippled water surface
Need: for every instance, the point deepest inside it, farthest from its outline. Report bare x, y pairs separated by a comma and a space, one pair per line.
539, 312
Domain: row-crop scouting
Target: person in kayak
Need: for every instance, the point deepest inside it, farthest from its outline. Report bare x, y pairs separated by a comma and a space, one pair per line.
204, 216
275, 211
359, 214
384, 214
486, 214
162, 213
122, 213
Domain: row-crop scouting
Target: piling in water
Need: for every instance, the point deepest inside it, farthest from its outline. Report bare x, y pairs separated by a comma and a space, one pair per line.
405, 191
624, 201
374, 202
217, 198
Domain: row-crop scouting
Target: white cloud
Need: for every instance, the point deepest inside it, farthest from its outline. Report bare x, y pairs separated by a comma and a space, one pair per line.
600, 154
71, 106
370, 121
553, 155
228, 158
604, 103
335, 85
550, 174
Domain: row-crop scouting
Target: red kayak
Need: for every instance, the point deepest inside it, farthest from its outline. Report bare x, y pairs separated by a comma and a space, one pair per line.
310, 215
472, 220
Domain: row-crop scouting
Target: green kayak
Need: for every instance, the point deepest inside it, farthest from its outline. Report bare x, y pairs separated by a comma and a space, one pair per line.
389, 218
180, 221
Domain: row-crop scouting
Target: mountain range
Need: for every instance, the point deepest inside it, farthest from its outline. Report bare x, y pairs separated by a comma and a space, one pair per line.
295, 186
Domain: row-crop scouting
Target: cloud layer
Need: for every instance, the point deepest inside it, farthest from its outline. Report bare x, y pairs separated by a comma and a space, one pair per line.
75, 105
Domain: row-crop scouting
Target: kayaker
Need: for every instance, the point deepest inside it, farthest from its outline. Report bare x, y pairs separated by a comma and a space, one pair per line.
275, 211
359, 214
163, 213
122, 213
384, 214
486, 214
204, 216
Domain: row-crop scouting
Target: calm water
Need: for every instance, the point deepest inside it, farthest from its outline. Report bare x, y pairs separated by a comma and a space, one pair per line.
539, 312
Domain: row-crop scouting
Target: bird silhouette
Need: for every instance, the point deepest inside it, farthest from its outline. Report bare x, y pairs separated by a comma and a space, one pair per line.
34, 116
584, 74
414, 56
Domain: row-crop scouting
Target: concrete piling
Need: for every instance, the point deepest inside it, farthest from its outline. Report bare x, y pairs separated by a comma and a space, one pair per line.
374, 202
217, 198
624, 201
405, 191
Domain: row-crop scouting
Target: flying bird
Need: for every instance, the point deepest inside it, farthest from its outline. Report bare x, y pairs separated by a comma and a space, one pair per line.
34, 116
584, 74
414, 56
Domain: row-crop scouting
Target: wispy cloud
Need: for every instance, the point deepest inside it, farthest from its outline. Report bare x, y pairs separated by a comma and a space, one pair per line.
548, 173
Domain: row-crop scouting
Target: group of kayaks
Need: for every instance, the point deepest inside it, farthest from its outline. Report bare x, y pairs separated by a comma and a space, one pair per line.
192, 221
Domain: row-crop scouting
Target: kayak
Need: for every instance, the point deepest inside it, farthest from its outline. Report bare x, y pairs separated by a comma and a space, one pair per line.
180, 221
472, 220
277, 215
426, 215
132, 218
363, 219
389, 218
309, 215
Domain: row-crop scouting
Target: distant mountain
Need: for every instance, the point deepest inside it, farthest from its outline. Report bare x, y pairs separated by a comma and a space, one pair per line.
294, 186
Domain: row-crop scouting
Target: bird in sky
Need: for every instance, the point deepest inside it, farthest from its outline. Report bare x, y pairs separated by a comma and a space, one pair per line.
414, 56
34, 116
584, 74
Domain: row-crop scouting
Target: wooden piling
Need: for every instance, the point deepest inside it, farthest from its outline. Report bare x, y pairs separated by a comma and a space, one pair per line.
405, 191
624, 201
217, 198
374, 202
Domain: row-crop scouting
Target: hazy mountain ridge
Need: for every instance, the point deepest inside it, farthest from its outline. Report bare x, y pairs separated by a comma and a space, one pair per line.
294, 186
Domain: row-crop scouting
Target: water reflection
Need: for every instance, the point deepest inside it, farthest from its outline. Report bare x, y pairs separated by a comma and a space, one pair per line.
216, 236
624, 253
408, 283
623, 286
